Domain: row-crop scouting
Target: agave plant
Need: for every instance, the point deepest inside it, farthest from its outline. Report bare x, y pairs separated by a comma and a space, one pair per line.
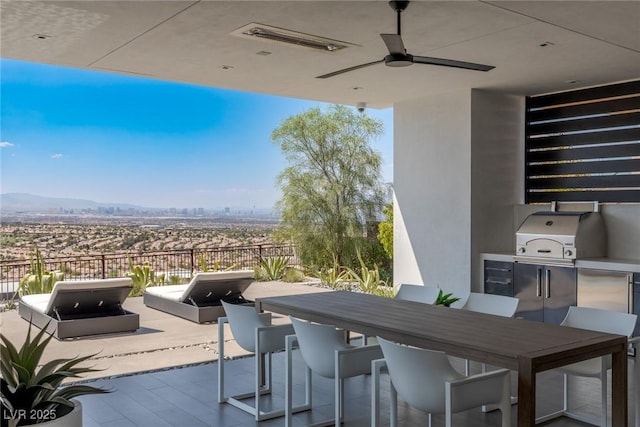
445, 299
29, 393
38, 280
273, 268
369, 280
335, 277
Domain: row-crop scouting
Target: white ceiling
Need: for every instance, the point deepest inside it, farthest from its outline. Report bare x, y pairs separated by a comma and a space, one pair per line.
593, 42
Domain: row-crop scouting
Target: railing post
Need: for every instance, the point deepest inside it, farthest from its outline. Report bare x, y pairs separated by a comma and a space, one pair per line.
104, 269
193, 261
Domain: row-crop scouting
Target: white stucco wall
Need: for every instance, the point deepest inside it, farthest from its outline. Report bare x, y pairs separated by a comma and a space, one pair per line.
457, 174
497, 174
458, 182
432, 188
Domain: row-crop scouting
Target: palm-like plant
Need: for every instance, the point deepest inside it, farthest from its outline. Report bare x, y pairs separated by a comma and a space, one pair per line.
28, 392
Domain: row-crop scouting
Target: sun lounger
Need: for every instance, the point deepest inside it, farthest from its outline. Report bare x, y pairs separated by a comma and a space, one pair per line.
199, 300
81, 307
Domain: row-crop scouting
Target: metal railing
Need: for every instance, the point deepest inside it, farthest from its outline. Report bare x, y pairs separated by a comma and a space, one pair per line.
175, 264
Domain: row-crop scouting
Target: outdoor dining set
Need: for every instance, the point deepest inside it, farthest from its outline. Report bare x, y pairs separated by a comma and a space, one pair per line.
339, 335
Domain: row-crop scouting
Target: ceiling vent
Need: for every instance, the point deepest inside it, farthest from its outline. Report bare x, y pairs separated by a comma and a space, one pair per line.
292, 38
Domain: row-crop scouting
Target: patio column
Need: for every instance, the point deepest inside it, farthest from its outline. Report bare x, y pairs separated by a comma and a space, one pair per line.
457, 176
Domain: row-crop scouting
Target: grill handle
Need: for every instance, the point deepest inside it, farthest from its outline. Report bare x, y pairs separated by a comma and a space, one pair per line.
538, 282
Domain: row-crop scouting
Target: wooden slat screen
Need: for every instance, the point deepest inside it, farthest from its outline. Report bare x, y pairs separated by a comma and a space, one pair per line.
584, 145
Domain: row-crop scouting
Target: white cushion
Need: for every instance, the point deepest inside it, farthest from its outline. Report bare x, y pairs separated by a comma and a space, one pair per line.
37, 302
45, 302
180, 292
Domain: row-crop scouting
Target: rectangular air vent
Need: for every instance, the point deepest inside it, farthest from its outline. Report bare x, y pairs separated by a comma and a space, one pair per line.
293, 38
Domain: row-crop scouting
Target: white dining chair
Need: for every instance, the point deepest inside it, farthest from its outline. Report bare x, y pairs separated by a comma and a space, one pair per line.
325, 352
594, 319
425, 380
498, 305
420, 293
253, 332
425, 294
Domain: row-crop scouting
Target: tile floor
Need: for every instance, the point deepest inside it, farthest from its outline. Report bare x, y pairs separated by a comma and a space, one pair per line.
187, 397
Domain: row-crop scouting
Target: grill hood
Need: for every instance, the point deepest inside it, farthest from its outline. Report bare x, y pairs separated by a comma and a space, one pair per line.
561, 237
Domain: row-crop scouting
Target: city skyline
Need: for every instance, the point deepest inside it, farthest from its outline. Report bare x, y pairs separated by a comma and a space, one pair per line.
117, 139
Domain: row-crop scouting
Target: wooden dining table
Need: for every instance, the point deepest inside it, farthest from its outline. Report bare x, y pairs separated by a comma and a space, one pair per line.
521, 345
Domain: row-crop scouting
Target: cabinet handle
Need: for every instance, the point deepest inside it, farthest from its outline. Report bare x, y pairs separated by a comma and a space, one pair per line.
548, 285
630, 305
538, 283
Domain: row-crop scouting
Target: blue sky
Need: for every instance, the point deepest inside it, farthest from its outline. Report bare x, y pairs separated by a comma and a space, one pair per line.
119, 139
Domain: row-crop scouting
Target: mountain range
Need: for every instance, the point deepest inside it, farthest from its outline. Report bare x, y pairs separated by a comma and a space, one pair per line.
23, 202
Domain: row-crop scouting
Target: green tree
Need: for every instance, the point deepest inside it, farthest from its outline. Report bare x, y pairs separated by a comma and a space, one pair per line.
385, 230
332, 188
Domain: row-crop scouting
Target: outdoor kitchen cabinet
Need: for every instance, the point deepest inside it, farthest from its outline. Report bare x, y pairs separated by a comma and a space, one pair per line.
545, 291
498, 278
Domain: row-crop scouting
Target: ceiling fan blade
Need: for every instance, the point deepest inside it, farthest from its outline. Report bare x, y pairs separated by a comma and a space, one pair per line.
451, 63
346, 70
394, 43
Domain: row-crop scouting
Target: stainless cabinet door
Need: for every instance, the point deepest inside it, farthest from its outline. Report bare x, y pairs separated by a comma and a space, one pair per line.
527, 287
559, 292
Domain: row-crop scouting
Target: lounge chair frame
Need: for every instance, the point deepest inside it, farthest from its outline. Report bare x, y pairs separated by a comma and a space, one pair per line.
201, 301
84, 308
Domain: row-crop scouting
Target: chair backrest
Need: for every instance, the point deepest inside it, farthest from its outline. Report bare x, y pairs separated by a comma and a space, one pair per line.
419, 375
88, 296
214, 286
243, 321
419, 293
596, 319
499, 305
318, 344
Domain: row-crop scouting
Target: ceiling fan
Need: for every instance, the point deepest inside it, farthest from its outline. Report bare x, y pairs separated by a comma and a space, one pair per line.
398, 56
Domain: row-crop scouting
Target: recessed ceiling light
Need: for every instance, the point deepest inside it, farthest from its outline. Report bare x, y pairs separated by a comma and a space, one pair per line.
357, 88
572, 82
263, 53
41, 36
226, 67
546, 44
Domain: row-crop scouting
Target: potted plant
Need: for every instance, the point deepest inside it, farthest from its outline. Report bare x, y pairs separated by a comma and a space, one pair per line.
445, 299
33, 394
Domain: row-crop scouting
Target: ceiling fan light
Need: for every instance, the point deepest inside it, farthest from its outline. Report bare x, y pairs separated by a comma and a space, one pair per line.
398, 60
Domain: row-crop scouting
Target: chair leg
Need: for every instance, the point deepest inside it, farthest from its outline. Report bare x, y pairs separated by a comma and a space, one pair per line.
339, 387
393, 405
221, 396
289, 409
376, 367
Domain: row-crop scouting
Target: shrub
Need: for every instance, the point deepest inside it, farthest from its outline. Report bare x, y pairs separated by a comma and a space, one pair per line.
38, 280
141, 277
292, 275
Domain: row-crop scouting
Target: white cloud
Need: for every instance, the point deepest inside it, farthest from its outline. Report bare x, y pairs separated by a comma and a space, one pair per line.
6, 144
56, 156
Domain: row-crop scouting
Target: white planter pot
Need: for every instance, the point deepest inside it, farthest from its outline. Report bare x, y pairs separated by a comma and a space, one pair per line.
72, 419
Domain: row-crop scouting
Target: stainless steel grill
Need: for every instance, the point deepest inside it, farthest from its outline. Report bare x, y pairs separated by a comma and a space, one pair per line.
561, 237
